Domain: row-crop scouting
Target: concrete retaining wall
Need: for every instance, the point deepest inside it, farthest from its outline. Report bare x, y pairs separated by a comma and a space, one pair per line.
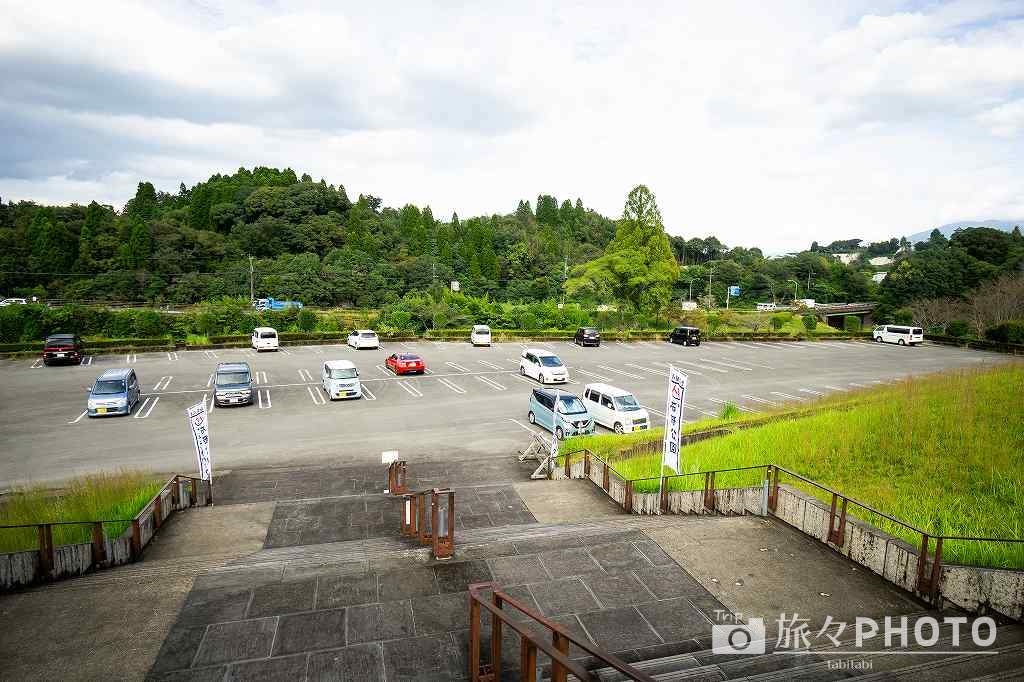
18, 569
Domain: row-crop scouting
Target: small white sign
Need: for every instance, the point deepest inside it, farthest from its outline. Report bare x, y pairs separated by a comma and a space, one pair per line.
389, 456
197, 421
455, 285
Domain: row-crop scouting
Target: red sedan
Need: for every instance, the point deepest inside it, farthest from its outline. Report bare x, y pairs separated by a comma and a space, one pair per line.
405, 363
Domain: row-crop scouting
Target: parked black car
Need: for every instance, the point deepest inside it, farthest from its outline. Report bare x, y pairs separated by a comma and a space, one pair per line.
588, 336
685, 336
61, 348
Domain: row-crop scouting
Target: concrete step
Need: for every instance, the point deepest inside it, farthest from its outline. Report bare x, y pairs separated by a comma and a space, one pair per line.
1009, 674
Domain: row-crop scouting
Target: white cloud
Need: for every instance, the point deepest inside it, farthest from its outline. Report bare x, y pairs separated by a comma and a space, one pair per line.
769, 127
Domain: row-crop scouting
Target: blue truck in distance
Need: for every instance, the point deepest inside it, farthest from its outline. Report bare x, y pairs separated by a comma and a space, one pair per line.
273, 304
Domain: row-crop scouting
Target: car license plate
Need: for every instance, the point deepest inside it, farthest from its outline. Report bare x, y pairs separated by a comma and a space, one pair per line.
60, 355
101, 410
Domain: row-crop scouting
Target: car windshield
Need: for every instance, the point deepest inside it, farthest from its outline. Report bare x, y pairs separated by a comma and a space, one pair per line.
408, 358
571, 405
626, 403
481, 330
550, 361
268, 335
231, 378
368, 335
108, 387
343, 373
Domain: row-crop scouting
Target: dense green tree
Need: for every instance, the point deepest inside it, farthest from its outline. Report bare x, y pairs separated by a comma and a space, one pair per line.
136, 249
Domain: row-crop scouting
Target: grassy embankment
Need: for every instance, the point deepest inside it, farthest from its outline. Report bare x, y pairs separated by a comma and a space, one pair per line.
98, 497
944, 453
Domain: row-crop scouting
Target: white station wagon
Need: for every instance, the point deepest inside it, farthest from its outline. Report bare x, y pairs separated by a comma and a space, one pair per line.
363, 338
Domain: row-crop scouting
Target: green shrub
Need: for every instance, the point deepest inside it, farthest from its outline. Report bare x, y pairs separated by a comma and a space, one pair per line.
778, 322
851, 323
810, 322
936, 329
1007, 332
730, 410
306, 320
903, 316
958, 328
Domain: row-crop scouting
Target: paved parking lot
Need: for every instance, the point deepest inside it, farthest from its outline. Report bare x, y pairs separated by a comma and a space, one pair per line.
472, 400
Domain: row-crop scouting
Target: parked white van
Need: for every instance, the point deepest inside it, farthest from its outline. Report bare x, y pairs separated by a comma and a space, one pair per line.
904, 336
765, 306
340, 379
481, 335
264, 338
615, 408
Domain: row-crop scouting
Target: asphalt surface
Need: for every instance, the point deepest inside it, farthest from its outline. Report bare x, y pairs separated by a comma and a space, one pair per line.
471, 402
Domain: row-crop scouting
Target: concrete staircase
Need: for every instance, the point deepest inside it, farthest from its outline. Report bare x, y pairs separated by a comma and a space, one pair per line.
877, 662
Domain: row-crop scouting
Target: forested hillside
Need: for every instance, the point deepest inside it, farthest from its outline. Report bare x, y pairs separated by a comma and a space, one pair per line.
308, 240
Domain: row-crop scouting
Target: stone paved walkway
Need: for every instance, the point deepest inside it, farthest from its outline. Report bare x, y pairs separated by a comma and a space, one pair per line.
619, 590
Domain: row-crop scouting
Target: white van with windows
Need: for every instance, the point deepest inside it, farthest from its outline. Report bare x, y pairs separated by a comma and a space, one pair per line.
892, 333
481, 335
340, 379
765, 307
615, 408
264, 338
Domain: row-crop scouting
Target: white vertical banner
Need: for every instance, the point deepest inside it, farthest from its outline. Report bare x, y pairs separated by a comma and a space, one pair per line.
673, 419
197, 421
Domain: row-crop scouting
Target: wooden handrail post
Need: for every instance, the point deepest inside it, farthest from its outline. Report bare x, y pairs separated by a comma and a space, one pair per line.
195, 492
474, 638
99, 547
527, 659
586, 463
568, 466
663, 502
157, 511
604, 482
496, 637
137, 540
628, 500
46, 549
558, 671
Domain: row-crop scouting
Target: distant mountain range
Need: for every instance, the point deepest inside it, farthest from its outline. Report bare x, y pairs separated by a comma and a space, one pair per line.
948, 230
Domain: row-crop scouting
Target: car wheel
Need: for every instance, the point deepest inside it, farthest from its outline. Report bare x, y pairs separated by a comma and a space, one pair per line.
532, 418
559, 433
878, 339
540, 377
618, 428
522, 370
902, 343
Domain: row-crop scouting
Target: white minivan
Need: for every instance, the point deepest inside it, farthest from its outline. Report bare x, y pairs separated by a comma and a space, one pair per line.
544, 366
904, 336
615, 409
363, 338
340, 379
481, 335
264, 338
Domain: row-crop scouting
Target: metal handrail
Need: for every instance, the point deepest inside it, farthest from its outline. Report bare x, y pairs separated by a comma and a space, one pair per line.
557, 657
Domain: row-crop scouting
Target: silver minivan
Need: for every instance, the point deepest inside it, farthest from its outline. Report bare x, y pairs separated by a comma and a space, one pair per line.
116, 391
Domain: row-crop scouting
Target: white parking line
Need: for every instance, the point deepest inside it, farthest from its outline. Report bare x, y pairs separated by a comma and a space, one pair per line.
526, 380
726, 364
163, 383
263, 397
745, 345
305, 375
712, 369
807, 390
619, 371
488, 364
87, 360
787, 396
492, 383
651, 409
285, 351
37, 364
210, 354
172, 355
524, 426
139, 414
660, 372
758, 400
457, 366
79, 417
261, 378
209, 381
590, 374
410, 389
704, 412
687, 372
834, 388
383, 370
316, 396
317, 350
452, 386
743, 408
514, 362
856, 385
753, 364
367, 393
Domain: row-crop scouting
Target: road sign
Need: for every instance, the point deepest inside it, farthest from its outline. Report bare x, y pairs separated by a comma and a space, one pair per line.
734, 291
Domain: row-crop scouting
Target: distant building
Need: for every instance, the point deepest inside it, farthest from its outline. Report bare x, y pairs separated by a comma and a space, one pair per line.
878, 261
878, 276
847, 258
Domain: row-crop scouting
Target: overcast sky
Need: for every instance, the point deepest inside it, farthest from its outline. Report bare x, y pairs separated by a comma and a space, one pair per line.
764, 126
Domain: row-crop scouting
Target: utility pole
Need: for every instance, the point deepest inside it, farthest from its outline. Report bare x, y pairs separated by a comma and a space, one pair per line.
252, 284
565, 275
709, 288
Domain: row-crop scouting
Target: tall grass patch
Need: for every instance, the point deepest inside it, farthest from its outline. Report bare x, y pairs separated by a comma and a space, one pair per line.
98, 497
